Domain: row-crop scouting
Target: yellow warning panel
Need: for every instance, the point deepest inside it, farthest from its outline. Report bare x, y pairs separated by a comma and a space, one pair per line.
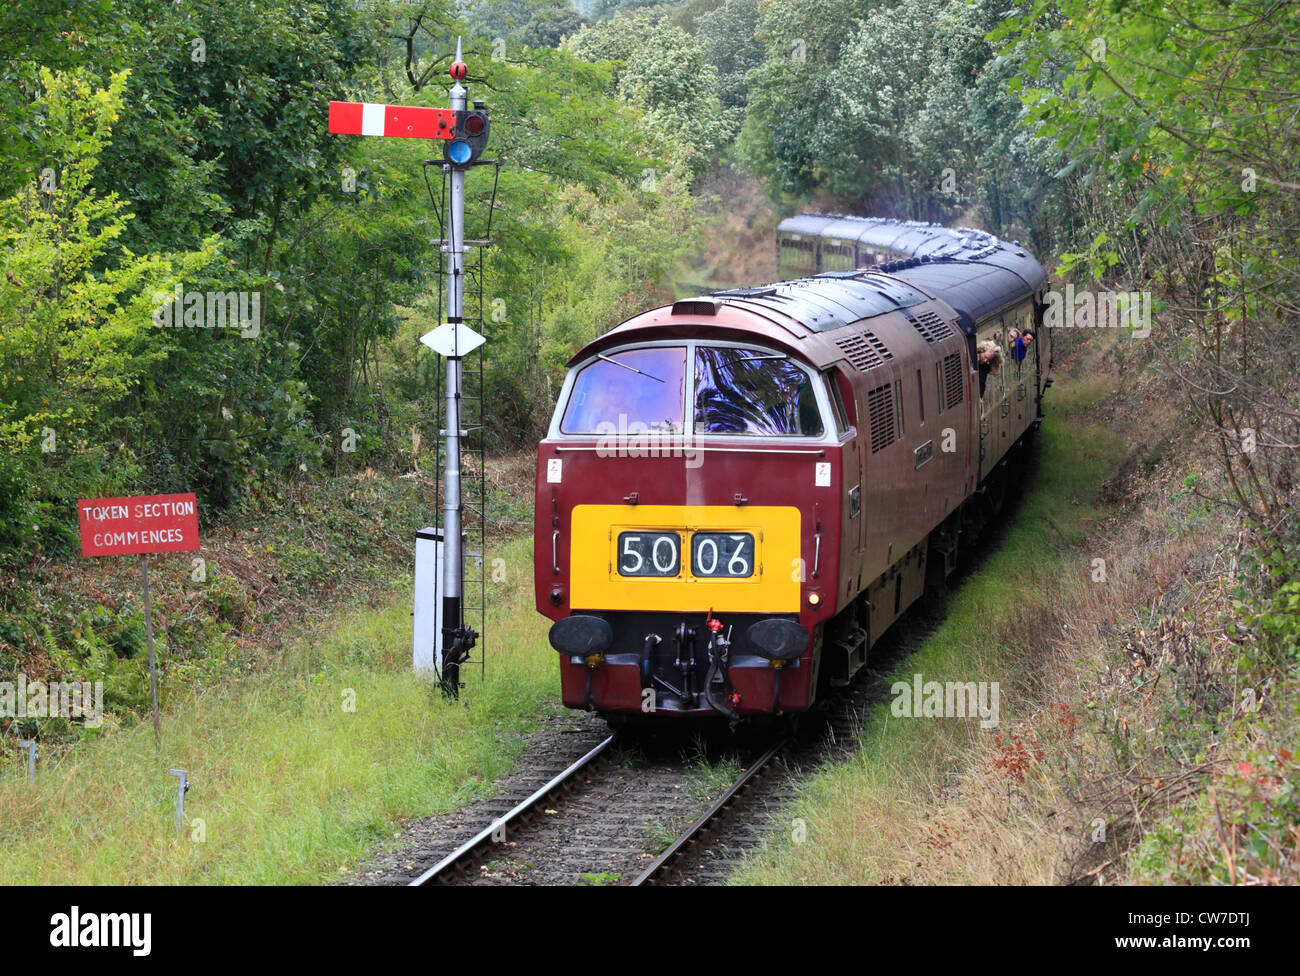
685, 558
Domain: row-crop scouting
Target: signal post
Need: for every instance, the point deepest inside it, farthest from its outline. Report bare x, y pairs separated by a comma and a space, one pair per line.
464, 133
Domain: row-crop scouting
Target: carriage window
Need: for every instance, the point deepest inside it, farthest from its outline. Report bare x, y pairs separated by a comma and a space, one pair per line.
740, 391
623, 389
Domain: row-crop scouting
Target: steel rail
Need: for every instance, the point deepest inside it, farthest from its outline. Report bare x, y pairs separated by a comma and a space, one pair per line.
665, 863
455, 863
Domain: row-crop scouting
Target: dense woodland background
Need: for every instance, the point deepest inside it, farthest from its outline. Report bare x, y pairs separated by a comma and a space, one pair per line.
146, 144
185, 143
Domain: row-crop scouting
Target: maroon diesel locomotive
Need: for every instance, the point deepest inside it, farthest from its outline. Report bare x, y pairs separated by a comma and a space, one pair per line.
739, 493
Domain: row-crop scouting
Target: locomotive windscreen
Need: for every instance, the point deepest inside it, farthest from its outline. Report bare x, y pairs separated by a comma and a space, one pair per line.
743, 392
635, 386
736, 391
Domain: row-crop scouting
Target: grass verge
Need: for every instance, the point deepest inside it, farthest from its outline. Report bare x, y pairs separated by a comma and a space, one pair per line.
295, 774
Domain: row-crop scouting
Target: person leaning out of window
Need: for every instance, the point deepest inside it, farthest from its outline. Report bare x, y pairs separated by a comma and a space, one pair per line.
990, 361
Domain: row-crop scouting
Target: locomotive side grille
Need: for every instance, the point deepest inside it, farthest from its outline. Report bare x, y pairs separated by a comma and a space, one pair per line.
952, 388
880, 408
931, 326
863, 349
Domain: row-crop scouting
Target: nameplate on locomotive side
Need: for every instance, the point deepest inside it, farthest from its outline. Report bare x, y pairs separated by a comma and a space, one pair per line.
922, 454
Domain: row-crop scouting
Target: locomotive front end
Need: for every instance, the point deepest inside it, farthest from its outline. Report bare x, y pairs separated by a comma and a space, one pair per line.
684, 550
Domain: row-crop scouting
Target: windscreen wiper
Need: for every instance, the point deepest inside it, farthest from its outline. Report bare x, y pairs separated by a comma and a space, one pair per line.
626, 366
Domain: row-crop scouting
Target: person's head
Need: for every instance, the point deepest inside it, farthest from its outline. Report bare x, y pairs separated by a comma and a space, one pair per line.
990, 355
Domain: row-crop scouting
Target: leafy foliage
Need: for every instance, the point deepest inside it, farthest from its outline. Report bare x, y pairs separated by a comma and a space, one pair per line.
75, 338
898, 109
535, 23
36, 34
729, 35
1180, 133
666, 72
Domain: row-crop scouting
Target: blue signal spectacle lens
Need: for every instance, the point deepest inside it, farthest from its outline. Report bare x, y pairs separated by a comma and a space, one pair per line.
459, 151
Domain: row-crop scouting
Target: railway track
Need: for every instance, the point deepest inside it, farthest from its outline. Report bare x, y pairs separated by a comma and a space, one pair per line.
600, 819
665, 866
461, 865
457, 865
707, 850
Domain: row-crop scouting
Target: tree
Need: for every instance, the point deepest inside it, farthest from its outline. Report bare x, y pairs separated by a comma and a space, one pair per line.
615, 41
904, 111
76, 341
535, 23
789, 101
731, 46
665, 71
1180, 133
35, 34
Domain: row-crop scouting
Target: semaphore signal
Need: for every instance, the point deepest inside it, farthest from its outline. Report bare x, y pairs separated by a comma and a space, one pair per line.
391, 121
464, 131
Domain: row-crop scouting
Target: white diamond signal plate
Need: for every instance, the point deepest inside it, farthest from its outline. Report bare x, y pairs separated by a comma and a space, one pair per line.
448, 339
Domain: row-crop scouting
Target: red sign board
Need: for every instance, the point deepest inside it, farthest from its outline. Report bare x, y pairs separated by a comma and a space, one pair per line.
146, 523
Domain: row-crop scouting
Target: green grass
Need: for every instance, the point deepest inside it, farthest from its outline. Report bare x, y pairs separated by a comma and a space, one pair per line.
708, 779
858, 816
658, 837
290, 787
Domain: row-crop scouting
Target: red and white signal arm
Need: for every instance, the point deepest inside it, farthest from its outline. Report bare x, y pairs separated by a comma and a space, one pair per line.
141, 524
400, 121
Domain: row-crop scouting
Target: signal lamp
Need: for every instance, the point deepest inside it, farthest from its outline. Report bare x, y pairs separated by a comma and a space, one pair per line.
459, 151
471, 137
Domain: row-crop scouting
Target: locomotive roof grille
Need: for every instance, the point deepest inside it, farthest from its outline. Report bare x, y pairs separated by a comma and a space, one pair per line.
745, 292
695, 306
930, 325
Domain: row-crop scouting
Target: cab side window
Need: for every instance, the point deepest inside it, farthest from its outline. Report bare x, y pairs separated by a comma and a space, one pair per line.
837, 403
